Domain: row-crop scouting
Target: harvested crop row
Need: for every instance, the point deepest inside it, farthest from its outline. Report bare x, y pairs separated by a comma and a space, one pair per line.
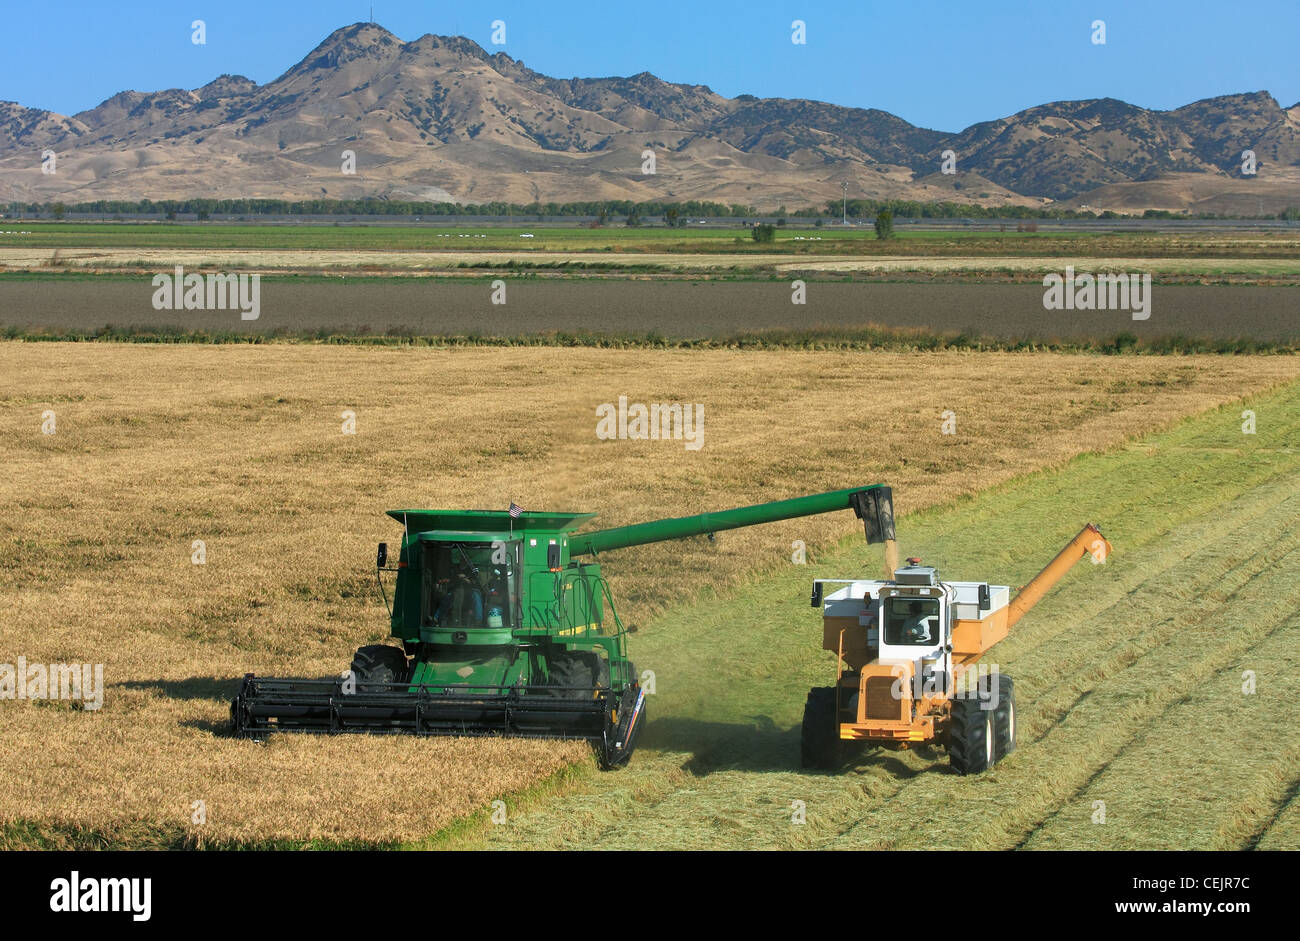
1119, 674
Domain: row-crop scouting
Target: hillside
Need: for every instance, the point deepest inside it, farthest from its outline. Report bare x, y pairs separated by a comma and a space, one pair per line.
440, 118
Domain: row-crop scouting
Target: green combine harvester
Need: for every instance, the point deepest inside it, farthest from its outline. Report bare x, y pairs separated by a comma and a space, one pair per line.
507, 627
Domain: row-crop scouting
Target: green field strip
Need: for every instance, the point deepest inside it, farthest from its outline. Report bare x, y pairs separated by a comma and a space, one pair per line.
1067, 668
731, 238
1211, 771
1282, 832
1128, 685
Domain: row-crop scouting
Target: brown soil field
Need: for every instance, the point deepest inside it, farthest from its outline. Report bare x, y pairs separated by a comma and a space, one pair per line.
671, 309
242, 447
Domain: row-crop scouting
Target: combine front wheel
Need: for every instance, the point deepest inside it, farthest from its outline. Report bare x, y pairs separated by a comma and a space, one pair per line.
379, 663
577, 674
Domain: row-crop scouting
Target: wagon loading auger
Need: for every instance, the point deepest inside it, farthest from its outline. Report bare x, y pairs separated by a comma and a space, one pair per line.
505, 632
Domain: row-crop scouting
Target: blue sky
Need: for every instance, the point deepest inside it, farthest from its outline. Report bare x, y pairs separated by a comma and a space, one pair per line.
938, 64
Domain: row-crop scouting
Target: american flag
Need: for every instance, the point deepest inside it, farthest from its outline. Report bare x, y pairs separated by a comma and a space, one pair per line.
515, 510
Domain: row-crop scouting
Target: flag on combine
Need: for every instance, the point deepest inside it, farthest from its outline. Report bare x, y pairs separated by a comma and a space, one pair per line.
515, 510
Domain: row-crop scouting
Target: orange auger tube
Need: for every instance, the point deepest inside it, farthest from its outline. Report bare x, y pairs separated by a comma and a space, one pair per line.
1090, 541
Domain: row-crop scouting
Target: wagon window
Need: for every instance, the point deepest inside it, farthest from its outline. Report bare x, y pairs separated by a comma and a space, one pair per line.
912, 622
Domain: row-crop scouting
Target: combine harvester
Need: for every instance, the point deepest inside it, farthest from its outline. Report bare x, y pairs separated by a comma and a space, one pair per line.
908, 651
504, 631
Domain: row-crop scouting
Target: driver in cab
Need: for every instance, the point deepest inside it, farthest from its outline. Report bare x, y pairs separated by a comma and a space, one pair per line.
917, 625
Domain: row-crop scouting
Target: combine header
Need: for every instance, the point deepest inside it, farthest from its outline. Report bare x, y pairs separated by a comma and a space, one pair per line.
507, 627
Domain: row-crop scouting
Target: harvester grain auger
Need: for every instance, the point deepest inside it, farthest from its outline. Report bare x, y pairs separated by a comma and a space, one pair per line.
504, 631
908, 651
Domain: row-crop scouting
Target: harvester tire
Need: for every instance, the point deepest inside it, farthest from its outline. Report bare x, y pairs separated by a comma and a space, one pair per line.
580, 669
1004, 719
379, 663
971, 737
819, 740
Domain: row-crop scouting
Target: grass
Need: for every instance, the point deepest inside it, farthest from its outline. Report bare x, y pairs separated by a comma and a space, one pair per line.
240, 446
385, 251
871, 337
1129, 677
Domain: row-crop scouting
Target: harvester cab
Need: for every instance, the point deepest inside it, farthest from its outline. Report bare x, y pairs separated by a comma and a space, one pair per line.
507, 626
488, 601
908, 652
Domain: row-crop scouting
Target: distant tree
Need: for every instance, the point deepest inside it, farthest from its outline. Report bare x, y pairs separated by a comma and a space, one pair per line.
57, 210
763, 232
670, 216
884, 224
633, 218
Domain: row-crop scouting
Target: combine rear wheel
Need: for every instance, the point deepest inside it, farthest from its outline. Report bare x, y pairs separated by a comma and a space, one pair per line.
1004, 719
379, 663
819, 741
971, 737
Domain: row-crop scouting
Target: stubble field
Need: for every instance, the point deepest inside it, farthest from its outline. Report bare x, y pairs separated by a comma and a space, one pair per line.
242, 448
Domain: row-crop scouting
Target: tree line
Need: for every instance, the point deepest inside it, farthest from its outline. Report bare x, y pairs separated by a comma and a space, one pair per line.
604, 211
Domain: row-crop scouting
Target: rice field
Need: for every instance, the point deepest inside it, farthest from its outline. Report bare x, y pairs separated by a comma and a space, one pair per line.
1156, 694
243, 448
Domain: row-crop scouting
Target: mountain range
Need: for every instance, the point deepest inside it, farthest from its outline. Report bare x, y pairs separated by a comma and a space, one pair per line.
440, 118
